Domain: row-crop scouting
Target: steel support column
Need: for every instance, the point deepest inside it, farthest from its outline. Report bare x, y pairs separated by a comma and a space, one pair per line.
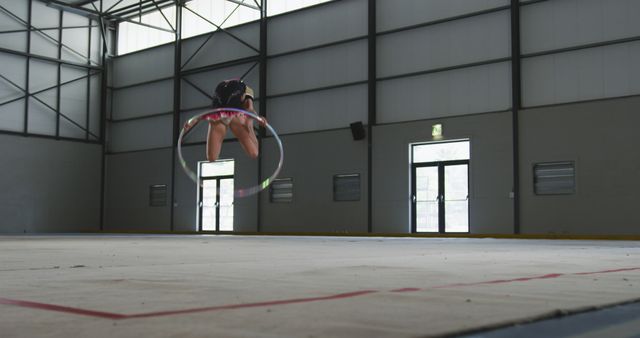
177, 66
371, 101
103, 121
262, 95
59, 89
516, 104
28, 63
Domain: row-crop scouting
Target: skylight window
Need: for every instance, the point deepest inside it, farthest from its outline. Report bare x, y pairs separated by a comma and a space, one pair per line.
198, 17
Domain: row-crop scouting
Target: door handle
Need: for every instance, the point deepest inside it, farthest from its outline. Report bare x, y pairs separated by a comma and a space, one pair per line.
413, 198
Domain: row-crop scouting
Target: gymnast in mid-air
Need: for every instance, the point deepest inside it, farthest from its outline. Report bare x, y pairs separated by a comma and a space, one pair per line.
233, 94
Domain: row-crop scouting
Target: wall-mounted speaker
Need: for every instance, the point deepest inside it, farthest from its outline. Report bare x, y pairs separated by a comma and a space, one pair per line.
357, 130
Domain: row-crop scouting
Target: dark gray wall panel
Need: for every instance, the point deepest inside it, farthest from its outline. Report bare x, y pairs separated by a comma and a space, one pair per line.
16, 41
94, 108
42, 120
246, 174
148, 133
18, 8
96, 42
490, 171
127, 194
326, 109
393, 14
457, 92
76, 38
150, 64
44, 42
12, 67
207, 81
148, 99
69, 129
453, 43
12, 116
328, 66
43, 16
49, 186
73, 104
563, 23
587, 74
221, 47
42, 75
607, 162
9, 92
311, 160
309, 27
70, 73
42, 45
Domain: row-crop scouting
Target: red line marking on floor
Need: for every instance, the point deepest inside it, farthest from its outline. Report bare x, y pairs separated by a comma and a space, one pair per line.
249, 305
500, 281
406, 290
58, 308
116, 316
605, 271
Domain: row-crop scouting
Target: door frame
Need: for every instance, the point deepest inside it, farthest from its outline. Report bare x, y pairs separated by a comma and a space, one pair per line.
201, 204
441, 193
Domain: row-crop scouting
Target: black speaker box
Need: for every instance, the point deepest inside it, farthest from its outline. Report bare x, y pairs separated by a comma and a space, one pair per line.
357, 131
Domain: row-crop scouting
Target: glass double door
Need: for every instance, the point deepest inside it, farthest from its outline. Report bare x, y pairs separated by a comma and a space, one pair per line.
216, 204
440, 196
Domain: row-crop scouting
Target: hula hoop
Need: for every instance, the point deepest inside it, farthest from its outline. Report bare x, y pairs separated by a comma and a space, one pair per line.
216, 115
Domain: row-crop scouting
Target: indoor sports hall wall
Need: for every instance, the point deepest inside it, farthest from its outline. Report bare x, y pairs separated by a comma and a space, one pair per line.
438, 61
136, 130
577, 51
48, 185
50, 171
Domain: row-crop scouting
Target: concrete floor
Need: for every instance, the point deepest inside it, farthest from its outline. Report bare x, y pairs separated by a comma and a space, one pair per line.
241, 286
615, 321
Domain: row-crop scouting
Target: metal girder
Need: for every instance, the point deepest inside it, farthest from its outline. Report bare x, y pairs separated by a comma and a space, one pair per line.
96, 15
163, 16
44, 29
241, 3
30, 26
200, 90
32, 95
142, 8
82, 3
46, 58
210, 35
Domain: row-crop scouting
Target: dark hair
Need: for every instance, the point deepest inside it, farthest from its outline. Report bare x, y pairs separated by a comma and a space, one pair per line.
228, 94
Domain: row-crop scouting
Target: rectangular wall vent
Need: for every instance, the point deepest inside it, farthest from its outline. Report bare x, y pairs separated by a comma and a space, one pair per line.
554, 178
281, 190
158, 195
346, 187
